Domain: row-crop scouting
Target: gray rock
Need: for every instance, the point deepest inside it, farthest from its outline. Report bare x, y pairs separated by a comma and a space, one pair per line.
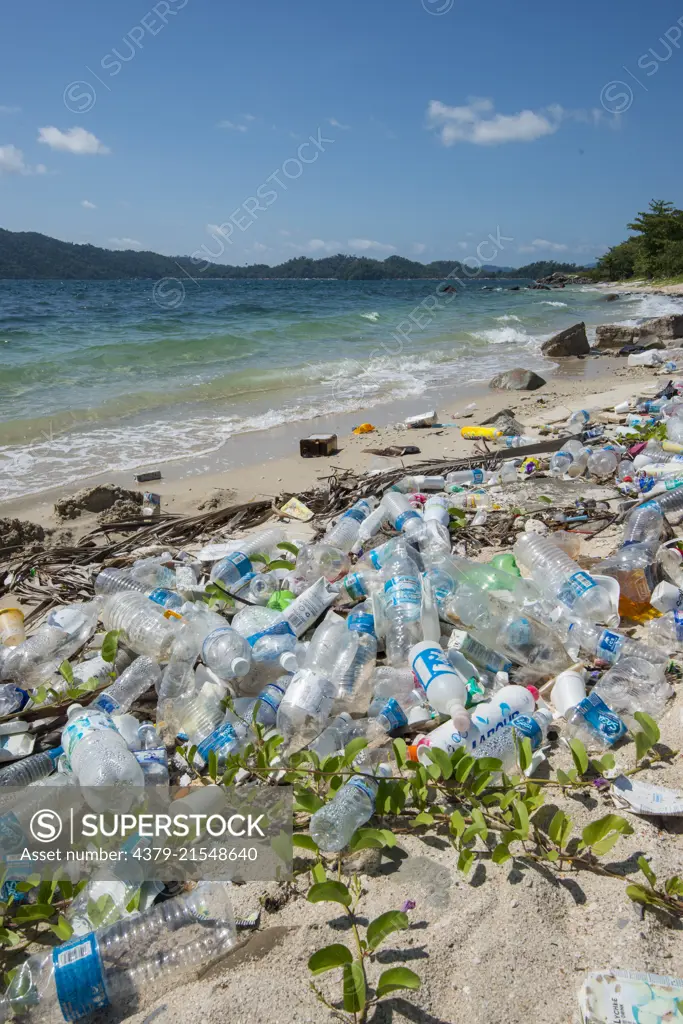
570, 342
517, 380
613, 296
664, 327
505, 421
614, 335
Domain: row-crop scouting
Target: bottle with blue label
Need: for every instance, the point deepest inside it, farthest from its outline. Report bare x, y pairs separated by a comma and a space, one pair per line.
503, 745
559, 577
96, 752
350, 808
354, 682
117, 581
608, 645
445, 686
31, 769
140, 676
401, 605
344, 533
634, 564
267, 632
152, 756
125, 963
226, 653
402, 516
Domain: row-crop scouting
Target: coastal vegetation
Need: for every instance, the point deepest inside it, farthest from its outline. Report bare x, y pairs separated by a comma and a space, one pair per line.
654, 251
28, 255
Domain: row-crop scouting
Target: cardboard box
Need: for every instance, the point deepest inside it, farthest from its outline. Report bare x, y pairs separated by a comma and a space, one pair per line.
317, 444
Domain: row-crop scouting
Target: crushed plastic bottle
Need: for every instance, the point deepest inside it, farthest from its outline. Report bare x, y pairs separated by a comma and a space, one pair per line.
561, 578
401, 601
351, 807
344, 533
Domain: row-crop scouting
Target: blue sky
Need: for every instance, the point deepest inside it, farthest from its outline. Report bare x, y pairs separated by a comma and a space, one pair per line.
439, 123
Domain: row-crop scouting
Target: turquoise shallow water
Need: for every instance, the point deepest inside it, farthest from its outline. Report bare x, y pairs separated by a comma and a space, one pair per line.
96, 376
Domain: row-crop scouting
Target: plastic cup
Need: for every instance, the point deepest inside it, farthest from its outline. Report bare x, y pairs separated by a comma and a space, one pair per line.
12, 630
568, 691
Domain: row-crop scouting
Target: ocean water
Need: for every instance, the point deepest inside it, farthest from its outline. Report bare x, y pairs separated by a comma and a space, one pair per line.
96, 376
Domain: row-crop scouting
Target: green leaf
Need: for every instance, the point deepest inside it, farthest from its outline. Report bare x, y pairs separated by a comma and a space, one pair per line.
304, 842
305, 800
638, 894
9, 937
605, 845
545, 498
67, 672
457, 824
100, 910
213, 764
389, 837
257, 557
647, 871
489, 764
579, 755
560, 829
501, 854
62, 929
369, 839
286, 545
354, 988
524, 752
40, 695
597, 830
332, 956
465, 861
384, 925
110, 645
397, 978
318, 873
133, 903
353, 748
280, 563
565, 779
424, 818
521, 818
464, 767
400, 751
441, 758
643, 744
329, 892
648, 725
674, 886
33, 912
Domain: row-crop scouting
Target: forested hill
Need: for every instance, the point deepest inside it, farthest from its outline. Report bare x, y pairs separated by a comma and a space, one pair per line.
29, 255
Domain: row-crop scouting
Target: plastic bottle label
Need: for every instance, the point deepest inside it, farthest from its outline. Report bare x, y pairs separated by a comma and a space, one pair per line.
361, 623
274, 701
394, 714
105, 702
277, 629
404, 517
429, 665
355, 513
310, 695
678, 623
403, 590
477, 476
79, 978
609, 645
21, 696
601, 719
564, 455
529, 728
161, 596
354, 586
154, 755
216, 739
365, 787
307, 607
575, 587
81, 726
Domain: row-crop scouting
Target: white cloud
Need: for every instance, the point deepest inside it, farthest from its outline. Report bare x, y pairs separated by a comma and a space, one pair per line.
259, 247
285, 233
462, 245
74, 140
366, 244
41, 169
478, 122
12, 161
9, 110
232, 126
316, 245
543, 245
87, 205
337, 124
419, 247
248, 117
125, 243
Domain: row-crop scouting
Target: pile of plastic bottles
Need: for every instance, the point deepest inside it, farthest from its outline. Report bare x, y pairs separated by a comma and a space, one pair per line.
381, 626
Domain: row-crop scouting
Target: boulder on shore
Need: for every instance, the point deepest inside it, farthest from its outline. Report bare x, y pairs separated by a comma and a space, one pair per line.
517, 380
663, 328
570, 342
614, 335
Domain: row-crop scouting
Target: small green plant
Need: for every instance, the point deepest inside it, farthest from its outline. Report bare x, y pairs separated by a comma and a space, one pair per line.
668, 898
359, 993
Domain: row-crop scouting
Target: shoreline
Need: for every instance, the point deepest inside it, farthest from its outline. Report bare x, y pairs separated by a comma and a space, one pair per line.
267, 464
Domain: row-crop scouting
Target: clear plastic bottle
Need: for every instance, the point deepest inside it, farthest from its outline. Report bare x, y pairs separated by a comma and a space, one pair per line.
369, 527
469, 477
418, 484
666, 632
403, 516
262, 709
267, 633
602, 463
669, 502
96, 752
560, 577
472, 500
227, 653
570, 460
306, 706
478, 653
39, 656
634, 685
31, 768
357, 586
504, 744
344, 533
322, 559
666, 597
519, 440
625, 471
334, 737
401, 605
607, 645
378, 557
579, 419
12, 698
354, 683
593, 722
140, 676
146, 630
634, 564
118, 581
152, 756
351, 807
126, 962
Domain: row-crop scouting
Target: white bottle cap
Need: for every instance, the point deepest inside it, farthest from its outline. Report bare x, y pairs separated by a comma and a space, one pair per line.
240, 667
666, 597
289, 662
459, 716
